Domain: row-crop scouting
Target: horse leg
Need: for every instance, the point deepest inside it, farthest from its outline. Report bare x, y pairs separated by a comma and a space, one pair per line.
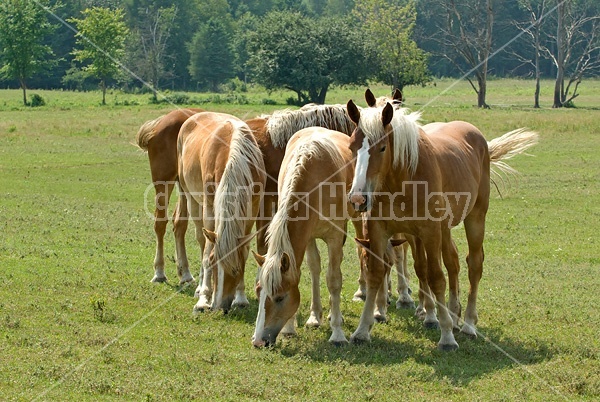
204, 289
426, 308
334, 285
289, 329
381, 300
360, 293
180, 224
475, 231
405, 300
374, 279
240, 299
437, 285
313, 260
450, 258
163, 192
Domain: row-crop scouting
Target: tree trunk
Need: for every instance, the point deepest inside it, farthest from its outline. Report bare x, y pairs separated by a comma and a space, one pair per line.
536, 96
560, 59
482, 83
24, 88
103, 86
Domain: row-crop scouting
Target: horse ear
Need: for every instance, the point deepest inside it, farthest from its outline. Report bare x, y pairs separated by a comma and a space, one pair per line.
210, 235
387, 114
353, 112
397, 242
397, 95
364, 243
285, 263
370, 98
260, 259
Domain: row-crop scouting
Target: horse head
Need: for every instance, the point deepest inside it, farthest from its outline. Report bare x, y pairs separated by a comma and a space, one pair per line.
278, 295
371, 148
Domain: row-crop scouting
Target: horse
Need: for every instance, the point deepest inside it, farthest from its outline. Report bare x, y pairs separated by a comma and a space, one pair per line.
272, 132
158, 137
222, 177
423, 181
313, 182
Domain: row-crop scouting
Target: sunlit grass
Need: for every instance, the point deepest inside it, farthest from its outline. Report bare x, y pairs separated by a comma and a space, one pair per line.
79, 318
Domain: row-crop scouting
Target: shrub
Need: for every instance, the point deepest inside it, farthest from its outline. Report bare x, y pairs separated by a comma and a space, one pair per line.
37, 100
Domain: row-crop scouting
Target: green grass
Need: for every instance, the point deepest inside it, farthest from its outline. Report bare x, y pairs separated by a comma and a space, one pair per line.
79, 318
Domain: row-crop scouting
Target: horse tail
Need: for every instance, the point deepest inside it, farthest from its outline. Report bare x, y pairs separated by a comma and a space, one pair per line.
146, 133
507, 146
233, 196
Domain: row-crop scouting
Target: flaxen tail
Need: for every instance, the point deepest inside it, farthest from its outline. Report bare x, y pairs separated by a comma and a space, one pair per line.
146, 133
505, 147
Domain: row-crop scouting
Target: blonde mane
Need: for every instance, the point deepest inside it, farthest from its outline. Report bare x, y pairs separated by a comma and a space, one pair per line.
405, 131
278, 237
233, 196
281, 125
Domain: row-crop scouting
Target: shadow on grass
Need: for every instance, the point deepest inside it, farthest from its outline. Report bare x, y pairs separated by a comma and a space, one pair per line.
405, 339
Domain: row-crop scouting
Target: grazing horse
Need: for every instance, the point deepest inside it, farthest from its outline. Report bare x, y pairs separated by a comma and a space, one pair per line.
222, 177
313, 182
272, 132
423, 181
159, 138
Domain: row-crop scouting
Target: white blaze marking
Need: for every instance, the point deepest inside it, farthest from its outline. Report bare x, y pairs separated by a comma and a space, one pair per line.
260, 318
362, 163
220, 285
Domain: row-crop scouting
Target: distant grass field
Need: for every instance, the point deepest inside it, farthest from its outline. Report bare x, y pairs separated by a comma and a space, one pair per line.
80, 320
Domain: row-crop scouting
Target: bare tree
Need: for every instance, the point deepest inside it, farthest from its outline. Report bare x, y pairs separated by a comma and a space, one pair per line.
150, 45
532, 32
576, 47
466, 36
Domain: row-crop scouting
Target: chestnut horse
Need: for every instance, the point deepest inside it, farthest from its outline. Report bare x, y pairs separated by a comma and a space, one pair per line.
423, 181
272, 132
316, 173
159, 138
222, 176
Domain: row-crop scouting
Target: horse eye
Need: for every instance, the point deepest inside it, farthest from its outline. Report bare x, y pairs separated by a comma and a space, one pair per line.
382, 149
278, 299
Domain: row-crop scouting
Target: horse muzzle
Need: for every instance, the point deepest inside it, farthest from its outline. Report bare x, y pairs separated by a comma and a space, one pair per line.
360, 201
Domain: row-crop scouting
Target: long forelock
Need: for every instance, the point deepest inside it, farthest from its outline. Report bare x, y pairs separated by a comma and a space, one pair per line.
405, 131
281, 125
233, 197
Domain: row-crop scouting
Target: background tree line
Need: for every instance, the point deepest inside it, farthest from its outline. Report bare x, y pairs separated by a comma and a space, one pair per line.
305, 46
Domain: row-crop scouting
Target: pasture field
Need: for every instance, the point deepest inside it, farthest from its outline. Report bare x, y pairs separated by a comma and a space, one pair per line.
80, 320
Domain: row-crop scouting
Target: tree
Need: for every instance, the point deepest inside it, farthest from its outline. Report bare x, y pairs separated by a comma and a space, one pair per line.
464, 37
24, 27
389, 27
577, 44
289, 50
101, 34
211, 55
531, 29
149, 47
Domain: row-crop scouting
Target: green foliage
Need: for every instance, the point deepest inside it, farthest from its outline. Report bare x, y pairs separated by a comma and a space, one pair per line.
289, 50
389, 26
101, 35
24, 28
37, 100
211, 56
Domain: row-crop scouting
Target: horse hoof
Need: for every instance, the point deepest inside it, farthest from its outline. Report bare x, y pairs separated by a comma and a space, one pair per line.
240, 304
159, 279
380, 318
431, 325
358, 297
339, 344
469, 331
185, 280
405, 305
356, 340
449, 347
